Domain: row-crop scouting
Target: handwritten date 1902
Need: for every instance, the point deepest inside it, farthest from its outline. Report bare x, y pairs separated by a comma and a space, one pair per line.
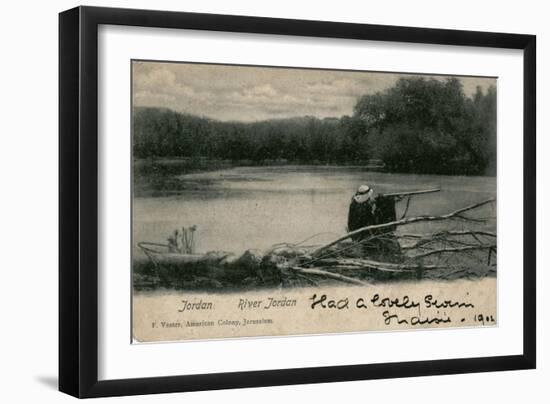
484, 319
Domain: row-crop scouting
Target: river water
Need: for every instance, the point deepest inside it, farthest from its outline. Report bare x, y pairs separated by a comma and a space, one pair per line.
257, 207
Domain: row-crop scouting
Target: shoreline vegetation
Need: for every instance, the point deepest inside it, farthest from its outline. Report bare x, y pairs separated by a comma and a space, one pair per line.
420, 126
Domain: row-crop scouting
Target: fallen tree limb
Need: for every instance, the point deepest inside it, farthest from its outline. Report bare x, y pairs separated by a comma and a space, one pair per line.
469, 219
341, 250
445, 237
370, 268
402, 222
358, 263
453, 250
327, 274
448, 233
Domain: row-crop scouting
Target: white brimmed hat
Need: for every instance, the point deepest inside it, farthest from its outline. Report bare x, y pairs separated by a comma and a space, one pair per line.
363, 189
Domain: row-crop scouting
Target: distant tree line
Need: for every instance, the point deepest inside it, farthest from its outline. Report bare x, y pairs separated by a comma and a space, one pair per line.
419, 125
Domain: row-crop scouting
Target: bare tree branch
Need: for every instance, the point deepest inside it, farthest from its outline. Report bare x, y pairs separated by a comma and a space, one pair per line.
402, 222
327, 274
449, 233
453, 250
357, 263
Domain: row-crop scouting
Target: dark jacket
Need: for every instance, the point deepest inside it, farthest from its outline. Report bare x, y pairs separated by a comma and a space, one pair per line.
377, 211
384, 211
360, 215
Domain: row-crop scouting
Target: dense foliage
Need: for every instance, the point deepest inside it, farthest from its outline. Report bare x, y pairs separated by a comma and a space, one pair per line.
419, 125
429, 126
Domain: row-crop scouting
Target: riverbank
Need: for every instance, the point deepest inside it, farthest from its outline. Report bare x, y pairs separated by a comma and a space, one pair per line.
163, 176
171, 176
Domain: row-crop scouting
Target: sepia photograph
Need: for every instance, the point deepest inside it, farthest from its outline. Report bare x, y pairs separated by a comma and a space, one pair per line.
272, 201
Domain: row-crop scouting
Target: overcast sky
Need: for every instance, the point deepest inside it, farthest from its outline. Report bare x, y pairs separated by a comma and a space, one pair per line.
243, 93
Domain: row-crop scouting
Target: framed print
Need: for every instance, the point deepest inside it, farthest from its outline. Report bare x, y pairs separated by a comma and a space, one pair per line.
250, 201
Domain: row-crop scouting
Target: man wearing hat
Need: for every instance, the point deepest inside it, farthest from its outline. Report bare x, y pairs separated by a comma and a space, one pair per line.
367, 210
361, 211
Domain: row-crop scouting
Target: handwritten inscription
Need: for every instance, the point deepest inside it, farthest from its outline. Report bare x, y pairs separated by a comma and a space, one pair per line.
401, 310
315, 310
324, 302
414, 320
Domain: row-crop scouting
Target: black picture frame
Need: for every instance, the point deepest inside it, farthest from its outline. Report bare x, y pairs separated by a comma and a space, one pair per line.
78, 200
